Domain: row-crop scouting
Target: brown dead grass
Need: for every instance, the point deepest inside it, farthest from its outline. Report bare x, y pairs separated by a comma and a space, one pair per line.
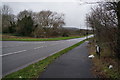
4, 36
100, 68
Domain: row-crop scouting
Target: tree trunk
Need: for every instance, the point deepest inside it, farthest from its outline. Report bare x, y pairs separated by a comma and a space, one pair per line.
118, 32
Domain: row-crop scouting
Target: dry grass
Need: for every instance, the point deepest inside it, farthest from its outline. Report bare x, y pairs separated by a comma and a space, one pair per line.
6, 36
100, 68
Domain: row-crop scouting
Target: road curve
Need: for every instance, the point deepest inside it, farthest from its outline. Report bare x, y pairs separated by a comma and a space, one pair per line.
19, 54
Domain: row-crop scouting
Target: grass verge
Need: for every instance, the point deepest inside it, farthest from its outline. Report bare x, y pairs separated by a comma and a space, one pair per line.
101, 66
34, 70
15, 38
40, 39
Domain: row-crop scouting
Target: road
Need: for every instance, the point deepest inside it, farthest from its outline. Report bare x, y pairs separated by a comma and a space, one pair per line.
19, 54
74, 64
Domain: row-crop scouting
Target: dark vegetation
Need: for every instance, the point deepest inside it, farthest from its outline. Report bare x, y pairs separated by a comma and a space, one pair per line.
43, 24
105, 22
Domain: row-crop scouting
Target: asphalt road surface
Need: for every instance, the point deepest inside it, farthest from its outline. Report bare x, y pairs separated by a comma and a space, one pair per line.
19, 54
73, 64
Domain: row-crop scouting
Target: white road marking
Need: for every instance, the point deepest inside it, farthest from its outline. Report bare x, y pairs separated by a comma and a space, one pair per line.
56, 51
24, 50
13, 53
39, 47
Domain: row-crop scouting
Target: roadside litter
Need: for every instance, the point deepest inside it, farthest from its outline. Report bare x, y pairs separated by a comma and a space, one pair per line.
91, 56
20, 76
110, 66
87, 41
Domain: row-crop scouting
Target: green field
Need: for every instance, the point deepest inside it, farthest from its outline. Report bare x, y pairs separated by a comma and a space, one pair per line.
38, 39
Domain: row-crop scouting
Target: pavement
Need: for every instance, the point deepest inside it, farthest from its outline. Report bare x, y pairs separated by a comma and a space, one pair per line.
19, 54
73, 64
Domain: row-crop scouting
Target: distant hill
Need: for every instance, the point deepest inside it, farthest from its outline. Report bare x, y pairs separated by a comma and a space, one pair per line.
71, 28
77, 30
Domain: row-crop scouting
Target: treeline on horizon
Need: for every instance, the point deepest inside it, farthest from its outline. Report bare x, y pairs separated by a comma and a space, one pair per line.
36, 24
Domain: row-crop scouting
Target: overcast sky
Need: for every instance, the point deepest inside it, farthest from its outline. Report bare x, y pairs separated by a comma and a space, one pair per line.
74, 12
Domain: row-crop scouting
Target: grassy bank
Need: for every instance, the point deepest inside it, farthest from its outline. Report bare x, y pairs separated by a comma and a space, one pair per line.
34, 70
101, 66
16, 38
40, 39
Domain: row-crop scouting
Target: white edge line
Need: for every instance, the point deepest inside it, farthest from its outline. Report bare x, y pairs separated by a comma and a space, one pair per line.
57, 51
13, 53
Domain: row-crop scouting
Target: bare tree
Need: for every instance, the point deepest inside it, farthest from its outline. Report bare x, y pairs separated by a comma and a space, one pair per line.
6, 10
50, 22
24, 13
7, 18
104, 22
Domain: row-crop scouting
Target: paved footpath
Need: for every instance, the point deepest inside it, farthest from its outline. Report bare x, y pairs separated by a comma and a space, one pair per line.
73, 64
